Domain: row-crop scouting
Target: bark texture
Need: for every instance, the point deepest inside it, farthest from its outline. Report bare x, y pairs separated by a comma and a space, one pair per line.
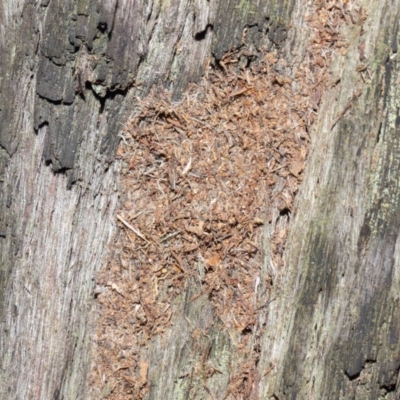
72, 71
333, 331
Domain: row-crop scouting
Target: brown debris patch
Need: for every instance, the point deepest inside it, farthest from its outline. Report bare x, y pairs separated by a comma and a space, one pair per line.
200, 181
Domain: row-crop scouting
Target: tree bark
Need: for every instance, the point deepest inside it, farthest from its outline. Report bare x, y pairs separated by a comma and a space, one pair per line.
335, 323
72, 73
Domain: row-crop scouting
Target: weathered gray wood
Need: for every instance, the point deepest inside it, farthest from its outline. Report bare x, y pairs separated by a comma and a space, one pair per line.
333, 331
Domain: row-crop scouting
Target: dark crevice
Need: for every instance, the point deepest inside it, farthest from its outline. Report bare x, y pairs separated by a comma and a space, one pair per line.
68, 172
267, 24
248, 330
378, 136
112, 93
249, 60
390, 377
203, 34
54, 102
251, 26
42, 124
102, 27
285, 212
351, 376
61, 170
218, 65
5, 149
149, 15
389, 388
102, 101
109, 95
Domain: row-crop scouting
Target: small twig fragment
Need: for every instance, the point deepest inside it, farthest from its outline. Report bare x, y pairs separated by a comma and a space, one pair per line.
171, 235
135, 231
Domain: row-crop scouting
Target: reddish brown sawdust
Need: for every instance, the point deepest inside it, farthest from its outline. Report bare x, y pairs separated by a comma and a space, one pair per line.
195, 182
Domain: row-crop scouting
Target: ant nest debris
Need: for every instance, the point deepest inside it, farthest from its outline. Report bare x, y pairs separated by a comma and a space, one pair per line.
204, 185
